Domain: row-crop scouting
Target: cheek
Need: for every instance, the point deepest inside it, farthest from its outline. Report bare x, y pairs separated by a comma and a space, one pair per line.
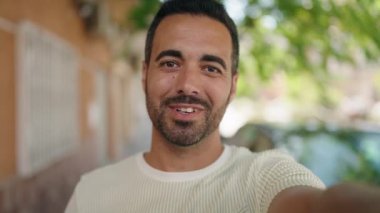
218, 93
159, 86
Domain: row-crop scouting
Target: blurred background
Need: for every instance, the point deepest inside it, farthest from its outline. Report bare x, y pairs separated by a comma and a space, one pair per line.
71, 97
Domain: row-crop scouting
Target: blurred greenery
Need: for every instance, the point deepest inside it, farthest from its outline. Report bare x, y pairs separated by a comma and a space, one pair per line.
366, 173
305, 36
334, 154
142, 14
300, 38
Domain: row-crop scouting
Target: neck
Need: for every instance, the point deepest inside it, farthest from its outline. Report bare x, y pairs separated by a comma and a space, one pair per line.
168, 157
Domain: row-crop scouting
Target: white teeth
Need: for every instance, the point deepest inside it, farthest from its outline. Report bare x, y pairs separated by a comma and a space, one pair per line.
188, 110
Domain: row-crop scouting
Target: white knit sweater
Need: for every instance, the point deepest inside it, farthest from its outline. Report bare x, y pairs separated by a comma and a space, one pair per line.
238, 181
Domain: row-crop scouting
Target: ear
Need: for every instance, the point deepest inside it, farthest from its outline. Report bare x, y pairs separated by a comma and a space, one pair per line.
144, 75
234, 81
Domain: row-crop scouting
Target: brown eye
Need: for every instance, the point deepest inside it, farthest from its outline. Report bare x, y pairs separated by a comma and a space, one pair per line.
211, 69
168, 64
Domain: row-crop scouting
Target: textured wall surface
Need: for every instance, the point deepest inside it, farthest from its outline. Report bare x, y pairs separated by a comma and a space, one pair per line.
50, 189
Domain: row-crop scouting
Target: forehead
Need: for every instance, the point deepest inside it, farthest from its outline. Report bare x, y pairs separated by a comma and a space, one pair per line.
192, 32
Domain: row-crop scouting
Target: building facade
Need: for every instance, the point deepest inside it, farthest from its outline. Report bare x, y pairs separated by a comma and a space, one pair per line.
65, 97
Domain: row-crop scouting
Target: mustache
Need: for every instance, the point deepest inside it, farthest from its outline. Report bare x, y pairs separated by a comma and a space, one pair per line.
186, 99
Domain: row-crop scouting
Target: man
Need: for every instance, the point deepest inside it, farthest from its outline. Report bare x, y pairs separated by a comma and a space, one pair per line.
189, 77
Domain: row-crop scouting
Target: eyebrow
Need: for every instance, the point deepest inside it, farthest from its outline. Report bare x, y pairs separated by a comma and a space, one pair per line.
173, 53
178, 54
213, 58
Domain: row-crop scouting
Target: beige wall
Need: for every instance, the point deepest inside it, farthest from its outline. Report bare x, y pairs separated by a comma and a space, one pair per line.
61, 18
58, 16
7, 105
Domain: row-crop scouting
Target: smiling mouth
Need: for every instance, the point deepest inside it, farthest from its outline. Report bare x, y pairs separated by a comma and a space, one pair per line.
186, 110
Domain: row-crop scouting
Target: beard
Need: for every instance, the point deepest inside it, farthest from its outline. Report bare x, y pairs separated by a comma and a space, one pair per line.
184, 133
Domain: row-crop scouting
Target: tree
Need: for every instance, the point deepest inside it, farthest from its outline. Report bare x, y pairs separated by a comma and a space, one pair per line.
301, 38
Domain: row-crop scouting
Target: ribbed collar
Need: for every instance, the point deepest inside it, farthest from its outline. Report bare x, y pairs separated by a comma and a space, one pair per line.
182, 176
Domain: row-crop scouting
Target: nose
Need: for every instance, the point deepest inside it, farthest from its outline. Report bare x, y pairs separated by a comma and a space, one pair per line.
187, 82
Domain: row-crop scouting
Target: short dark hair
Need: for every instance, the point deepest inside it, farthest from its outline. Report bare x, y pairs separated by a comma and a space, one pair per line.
209, 8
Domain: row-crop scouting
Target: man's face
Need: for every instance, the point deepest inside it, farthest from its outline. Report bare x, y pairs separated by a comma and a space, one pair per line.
188, 81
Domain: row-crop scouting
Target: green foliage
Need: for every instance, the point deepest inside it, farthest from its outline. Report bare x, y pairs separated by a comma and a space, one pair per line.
297, 37
305, 37
142, 14
321, 28
366, 172
313, 32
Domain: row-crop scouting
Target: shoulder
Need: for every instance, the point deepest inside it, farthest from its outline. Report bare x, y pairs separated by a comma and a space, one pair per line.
269, 158
258, 167
267, 173
94, 189
110, 174
270, 172
275, 166
107, 181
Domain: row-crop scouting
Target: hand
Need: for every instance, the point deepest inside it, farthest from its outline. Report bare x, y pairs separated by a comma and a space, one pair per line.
341, 198
349, 198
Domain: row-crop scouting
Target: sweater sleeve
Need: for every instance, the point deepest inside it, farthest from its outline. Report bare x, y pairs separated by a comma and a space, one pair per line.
276, 171
71, 206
